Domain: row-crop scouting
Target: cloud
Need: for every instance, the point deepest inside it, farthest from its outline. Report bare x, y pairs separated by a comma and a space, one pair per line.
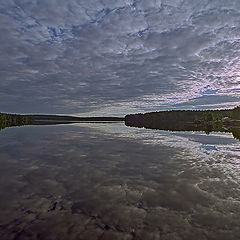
79, 56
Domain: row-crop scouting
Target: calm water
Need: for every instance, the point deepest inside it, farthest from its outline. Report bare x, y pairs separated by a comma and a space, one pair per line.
108, 181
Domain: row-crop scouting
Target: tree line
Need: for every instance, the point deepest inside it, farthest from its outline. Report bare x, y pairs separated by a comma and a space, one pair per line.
9, 120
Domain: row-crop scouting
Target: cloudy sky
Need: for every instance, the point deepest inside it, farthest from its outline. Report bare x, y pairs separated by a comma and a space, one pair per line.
112, 57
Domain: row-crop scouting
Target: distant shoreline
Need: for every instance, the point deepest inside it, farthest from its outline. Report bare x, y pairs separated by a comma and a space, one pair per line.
11, 120
74, 119
173, 119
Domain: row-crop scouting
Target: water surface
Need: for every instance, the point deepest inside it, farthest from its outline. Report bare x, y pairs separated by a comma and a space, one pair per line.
109, 181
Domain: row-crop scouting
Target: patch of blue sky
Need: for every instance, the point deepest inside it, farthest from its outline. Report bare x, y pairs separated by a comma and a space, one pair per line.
142, 32
209, 147
172, 98
209, 92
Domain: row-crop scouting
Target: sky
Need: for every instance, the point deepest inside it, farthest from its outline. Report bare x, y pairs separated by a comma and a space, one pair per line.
114, 57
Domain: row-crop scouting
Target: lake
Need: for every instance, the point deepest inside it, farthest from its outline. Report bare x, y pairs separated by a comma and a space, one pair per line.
108, 181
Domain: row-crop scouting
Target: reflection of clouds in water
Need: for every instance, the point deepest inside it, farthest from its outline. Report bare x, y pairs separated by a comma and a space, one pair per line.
187, 140
109, 180
217, 150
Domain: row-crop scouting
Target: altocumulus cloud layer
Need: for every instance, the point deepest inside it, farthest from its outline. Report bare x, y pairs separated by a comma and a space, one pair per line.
118, 56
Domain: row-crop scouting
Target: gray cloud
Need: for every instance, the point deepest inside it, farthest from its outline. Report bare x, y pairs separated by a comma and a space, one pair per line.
81, 56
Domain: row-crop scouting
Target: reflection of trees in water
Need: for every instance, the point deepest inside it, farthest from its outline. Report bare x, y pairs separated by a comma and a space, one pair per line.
208, 128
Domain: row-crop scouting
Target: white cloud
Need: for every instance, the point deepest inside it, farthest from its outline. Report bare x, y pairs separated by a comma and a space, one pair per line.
62, 56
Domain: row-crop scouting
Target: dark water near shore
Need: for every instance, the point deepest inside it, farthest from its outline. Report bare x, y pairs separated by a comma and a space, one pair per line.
109, 181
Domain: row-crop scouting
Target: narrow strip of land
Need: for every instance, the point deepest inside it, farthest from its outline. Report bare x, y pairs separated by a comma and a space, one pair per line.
57, 119
176, 120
